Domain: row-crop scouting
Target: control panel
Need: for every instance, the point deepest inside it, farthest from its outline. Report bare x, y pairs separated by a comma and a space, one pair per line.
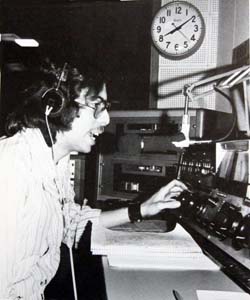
137, 154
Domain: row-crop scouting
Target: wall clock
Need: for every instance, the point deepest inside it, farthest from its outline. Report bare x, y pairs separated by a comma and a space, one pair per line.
178, 30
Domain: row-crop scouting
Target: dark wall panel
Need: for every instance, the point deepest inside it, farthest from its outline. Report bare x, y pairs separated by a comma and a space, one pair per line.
113, 35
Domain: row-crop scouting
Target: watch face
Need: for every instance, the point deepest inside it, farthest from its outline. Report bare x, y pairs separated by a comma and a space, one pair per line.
178, 29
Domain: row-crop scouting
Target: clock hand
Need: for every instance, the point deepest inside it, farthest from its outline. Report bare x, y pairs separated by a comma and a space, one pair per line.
172, 31
181, 32
178, 27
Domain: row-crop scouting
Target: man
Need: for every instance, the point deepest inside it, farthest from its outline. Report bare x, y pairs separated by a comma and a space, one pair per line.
63, 112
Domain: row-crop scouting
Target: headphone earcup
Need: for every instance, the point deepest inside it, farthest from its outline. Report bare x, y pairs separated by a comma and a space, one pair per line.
54, 98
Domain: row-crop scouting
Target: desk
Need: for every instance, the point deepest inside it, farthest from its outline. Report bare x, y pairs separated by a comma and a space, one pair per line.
124, 284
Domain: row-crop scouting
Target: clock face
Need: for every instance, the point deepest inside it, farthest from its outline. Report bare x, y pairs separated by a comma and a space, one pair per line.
178, 30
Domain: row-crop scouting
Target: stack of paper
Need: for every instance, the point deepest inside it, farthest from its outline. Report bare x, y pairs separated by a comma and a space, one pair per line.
168, 250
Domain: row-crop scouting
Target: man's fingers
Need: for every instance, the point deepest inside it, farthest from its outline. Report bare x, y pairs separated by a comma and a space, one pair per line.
171, 204
174, 185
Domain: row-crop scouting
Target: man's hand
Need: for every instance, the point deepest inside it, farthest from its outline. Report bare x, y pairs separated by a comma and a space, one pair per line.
163, 199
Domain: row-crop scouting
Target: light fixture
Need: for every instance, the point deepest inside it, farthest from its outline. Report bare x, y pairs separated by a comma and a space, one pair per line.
12, 37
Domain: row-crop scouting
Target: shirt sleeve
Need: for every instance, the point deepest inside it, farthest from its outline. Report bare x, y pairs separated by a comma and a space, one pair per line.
76, 218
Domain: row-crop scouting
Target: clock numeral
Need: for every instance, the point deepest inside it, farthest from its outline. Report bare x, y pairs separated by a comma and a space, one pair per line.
162, 20
158, 28
168, 12
187, 12
193, 38
167, 44
196, 28
193, 19
185, 44
176, 46
178, 10
160, 38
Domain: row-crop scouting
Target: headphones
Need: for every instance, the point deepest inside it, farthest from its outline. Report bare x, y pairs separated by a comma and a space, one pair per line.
54, 98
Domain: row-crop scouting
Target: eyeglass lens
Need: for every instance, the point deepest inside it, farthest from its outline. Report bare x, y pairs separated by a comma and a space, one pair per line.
100, 107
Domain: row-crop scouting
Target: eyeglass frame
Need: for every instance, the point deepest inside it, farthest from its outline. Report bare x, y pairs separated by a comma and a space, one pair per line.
105, 103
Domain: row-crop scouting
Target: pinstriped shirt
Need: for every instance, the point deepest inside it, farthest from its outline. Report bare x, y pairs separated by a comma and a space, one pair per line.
36, 213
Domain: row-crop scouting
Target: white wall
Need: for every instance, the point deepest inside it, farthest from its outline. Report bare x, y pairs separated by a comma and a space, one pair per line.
226, 32
173, 75
233, 28
241, 32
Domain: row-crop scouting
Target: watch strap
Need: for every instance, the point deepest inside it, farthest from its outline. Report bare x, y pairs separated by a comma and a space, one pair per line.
134, 212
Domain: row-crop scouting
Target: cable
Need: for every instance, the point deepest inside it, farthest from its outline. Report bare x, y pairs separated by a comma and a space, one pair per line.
47, 112
234, 115
73, 273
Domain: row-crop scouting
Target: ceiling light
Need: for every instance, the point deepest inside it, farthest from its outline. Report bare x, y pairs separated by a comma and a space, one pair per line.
12, 37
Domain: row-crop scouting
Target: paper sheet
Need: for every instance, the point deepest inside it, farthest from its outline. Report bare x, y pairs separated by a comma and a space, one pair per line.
221, 295
104, 241
168, 250
181, 262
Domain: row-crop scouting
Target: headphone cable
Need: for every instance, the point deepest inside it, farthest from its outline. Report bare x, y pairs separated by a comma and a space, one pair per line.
73, 273
47, 112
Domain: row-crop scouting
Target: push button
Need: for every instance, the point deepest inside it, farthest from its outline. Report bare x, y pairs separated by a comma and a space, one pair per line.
43, 282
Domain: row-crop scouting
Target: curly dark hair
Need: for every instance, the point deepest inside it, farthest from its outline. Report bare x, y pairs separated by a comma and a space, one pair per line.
30, 113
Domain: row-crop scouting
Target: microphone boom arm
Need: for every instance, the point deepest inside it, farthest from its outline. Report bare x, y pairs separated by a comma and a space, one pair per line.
231, 78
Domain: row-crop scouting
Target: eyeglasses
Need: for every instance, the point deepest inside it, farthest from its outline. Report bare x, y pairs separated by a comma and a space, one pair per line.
98, 105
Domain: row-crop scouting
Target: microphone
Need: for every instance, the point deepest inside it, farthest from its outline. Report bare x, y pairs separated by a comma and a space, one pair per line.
161, 143
187, 142
185, 129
